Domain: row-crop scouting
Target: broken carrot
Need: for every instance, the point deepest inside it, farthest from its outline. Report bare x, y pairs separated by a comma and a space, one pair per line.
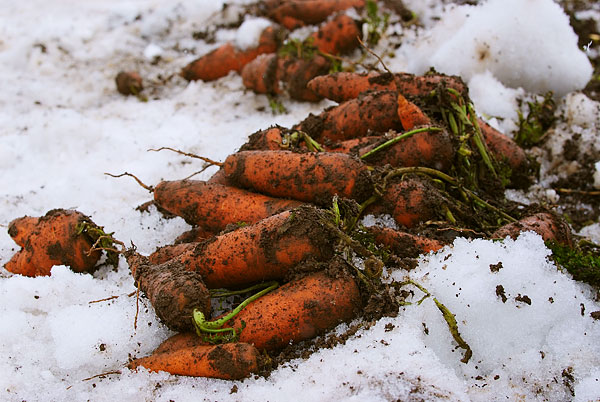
190, 356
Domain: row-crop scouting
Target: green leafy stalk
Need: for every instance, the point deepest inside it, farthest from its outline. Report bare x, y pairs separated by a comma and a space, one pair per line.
213, 331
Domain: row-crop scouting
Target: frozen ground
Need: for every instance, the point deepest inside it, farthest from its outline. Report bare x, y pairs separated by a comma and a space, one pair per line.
62, 125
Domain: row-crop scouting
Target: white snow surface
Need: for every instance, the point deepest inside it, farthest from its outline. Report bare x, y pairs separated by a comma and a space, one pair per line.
63, 125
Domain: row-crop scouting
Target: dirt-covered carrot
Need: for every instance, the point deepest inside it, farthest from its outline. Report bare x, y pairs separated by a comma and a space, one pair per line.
410, 115
188, 355
340, 35
548, 225
129, 83
402, 243
58, 238
226, 58
311, 177
375, 111
411, 200
195, 234
272, 74
173, 290
343, 86
271, 138
299, 310
266, 250
214, 206
295, 13
430, 147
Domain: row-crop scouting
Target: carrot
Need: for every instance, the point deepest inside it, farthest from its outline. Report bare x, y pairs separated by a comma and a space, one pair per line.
411, 116
372, 111
266, 250
189, 356
214, 206
293, 13
129, 83
226, 58
354, 145
412, 200
271, 138
343, 86
504, 148
168, 252
173, 291
548, 225
299, 310
431, 148
58, 238
311, 177
340, 35
262, 75
195, 234
402, 243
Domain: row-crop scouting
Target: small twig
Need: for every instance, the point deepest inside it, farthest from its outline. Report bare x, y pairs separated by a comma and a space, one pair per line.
106, 237
207, 160
105, 299
149, 188
374, 54
137, 305
102, 374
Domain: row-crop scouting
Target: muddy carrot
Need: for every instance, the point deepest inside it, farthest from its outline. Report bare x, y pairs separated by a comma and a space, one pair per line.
428, 146
402, 243
411, 116
226, 58
214, 206
337, 36
548, 225
266, 250
173, 291
58, 238
375, 111
299, 310
311, 177
190, 356
504, 148
293, 13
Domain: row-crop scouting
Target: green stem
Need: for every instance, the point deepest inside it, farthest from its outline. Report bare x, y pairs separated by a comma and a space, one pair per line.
478, 139
214, 327
399, 138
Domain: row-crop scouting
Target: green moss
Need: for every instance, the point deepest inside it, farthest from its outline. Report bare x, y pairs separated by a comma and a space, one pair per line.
583, 261
538, 120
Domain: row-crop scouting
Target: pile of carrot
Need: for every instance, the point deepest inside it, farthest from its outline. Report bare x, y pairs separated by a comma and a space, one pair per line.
279, 221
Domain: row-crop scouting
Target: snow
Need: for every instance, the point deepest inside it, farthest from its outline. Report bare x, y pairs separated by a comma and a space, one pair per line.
63, 125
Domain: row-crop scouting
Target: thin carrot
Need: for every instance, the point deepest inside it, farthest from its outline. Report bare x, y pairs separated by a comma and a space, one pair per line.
411, 116
266, 250
299, 310
58, 238
173, 291
337, 36
311, 177
548, 225
404, 244
226, 58
189, 356
375, 111
214, 206
504, 148
294, 13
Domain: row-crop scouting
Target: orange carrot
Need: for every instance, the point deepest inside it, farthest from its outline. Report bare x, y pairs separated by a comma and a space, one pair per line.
410, 201
375, 111
262, 75
340, 35
298, 310
58, 238
433, 148
214, 206
173, 291
170, 251
504, 148
192, 357
548, 225
271, 138
311, 177
411, 116
266, 250
343, 86
226, 58
402, 243
195, 234
292, 13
